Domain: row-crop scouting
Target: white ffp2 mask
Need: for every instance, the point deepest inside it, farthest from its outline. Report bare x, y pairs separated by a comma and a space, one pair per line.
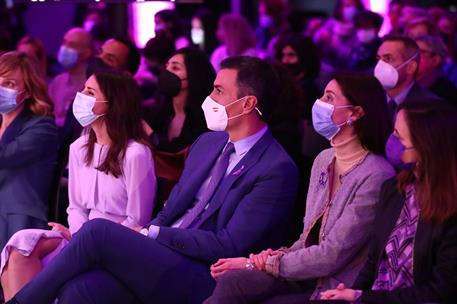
216, 114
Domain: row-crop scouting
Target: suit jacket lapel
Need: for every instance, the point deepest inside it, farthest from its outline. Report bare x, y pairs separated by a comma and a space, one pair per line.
202, 166
392, 213
422, 247
249, 160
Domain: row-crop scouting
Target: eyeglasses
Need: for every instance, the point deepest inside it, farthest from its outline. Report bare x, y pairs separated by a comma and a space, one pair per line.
429, 53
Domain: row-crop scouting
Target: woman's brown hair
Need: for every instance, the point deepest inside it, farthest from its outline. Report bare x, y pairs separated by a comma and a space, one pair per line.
123, 119
373, 128
433, 126
39, 102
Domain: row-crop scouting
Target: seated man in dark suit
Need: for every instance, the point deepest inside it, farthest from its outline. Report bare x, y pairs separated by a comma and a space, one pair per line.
232, 199
397, 70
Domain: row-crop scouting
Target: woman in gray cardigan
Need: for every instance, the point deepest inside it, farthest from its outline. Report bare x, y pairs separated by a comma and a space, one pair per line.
342, 196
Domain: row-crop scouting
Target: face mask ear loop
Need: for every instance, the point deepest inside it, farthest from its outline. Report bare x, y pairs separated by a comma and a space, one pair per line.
349, 121
406, 62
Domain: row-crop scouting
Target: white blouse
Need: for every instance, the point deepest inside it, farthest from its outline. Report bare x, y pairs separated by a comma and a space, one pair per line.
127, 200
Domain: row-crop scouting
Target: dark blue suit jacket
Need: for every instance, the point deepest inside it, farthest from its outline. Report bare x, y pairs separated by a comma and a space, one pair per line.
28, 158
249, 209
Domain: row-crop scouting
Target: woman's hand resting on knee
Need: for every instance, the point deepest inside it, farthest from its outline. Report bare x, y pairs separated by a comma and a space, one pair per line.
224, 265
62, 229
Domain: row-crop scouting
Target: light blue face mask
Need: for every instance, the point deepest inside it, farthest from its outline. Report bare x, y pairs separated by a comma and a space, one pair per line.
8, 99
82, 109
67, 57
322, 119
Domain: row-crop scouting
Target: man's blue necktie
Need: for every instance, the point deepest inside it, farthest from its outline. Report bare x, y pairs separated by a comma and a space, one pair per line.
217, 173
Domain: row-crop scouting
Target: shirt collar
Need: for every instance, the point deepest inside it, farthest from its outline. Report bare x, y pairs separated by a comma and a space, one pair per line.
242, 146
402, 95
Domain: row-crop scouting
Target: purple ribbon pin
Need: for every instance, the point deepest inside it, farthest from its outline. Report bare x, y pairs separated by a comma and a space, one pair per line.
322, 178
238, 172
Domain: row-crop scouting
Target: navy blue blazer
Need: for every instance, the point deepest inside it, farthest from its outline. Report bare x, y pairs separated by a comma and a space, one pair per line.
248, 211
28, 158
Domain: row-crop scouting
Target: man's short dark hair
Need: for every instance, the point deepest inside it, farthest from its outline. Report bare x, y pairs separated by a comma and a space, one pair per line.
134, 57
410, 47
255, 77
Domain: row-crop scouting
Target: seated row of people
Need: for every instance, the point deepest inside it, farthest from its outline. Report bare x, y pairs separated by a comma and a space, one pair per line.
235, 195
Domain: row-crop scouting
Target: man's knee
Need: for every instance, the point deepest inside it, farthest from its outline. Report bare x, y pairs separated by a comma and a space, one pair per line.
95, 226
95, 287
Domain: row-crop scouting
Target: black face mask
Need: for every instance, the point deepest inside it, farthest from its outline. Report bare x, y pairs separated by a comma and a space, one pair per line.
294, 68
169, 84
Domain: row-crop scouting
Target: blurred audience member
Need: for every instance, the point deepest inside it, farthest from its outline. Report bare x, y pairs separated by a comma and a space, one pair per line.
28, 146
363, 55
236, 37
168, 23
271, 14
33, 47
435, 13
430, 74
450, 37
409, 12
337, 36
394, 12
301, 57
446, 27
203, 33
74, 55
96, 23
420, 27
120, 53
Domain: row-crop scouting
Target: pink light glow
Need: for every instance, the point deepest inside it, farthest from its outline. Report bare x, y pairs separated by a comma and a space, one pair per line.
381, 7
143, 24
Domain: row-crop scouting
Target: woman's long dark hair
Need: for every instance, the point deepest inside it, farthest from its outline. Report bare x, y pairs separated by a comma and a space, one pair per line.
200, 79
433, 126
200, 76
123, 119
365, 91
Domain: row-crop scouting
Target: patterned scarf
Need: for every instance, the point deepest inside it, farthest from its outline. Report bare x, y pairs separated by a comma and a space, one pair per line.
396, 267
